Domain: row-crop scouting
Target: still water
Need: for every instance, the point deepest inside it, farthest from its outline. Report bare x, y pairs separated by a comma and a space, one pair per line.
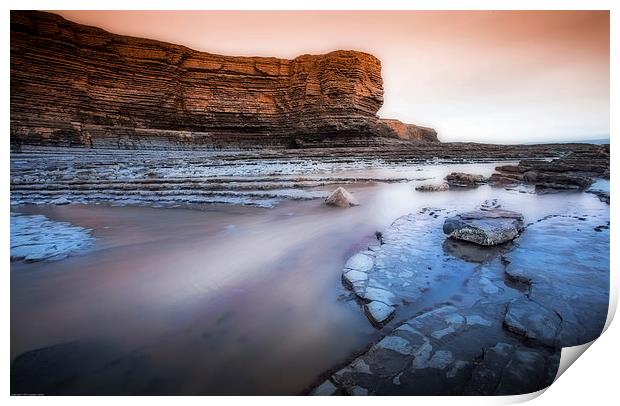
220, 299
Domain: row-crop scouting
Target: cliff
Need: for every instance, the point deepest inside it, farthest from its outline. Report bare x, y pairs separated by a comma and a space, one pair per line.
411, 132
75, 85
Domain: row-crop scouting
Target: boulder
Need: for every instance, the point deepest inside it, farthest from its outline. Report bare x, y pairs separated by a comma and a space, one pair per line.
441, 187
465, 180
485, 227
341, 198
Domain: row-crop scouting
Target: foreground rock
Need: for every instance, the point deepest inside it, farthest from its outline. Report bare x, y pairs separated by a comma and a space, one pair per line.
465, 180
485, 227
568, 292
75, 85
37, 238
341, 198
424, 356
473, 319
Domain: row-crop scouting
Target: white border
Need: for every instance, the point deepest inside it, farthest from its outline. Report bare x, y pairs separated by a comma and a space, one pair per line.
592, 380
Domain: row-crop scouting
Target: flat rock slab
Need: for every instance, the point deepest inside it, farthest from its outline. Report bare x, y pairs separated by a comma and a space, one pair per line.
411, 257
386, 275
37, 238
379, 312
500, 314
485, 227
422, 357
536, 322
562, 284
507, 369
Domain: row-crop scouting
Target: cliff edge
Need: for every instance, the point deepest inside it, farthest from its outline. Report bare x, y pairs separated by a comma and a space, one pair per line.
75, 85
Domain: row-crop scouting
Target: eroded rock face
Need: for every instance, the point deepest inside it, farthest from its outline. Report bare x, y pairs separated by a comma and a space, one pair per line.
341, 198
485, 227
75, 85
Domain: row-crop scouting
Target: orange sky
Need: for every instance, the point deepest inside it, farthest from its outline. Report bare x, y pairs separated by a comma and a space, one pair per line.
491, 76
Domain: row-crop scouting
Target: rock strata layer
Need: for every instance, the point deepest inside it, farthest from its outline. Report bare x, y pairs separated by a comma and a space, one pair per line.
411, 132
573, 172
75, 85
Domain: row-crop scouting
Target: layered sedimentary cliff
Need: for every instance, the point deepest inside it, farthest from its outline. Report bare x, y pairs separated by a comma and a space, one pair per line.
77, 85
411, 132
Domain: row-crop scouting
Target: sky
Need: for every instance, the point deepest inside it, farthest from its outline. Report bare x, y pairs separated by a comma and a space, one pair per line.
481, 76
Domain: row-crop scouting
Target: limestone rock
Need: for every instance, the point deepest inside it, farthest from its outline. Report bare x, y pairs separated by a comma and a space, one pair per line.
413, 360
573, 172
465, 180
530, 319
485, 227
441, 187
341, 198
327, 388
379, 312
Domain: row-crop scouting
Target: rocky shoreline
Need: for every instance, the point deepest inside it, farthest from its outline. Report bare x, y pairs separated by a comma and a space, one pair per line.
259, 177
453, 316
506, 340
573, 172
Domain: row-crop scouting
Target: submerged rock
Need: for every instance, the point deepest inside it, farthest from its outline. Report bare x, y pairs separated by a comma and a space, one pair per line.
568, 291
485, 227
431, 354
465, 180
442, 187
341, 198
530, 319
505, 367
327, 388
